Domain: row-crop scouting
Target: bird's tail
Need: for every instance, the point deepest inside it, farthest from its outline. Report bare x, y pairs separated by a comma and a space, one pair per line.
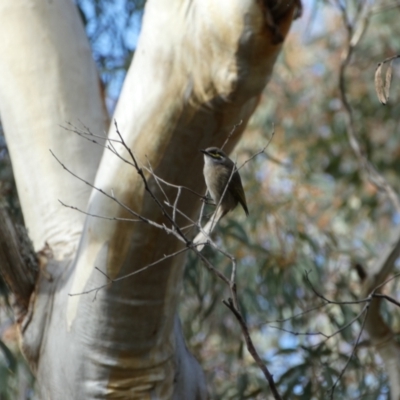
204, 235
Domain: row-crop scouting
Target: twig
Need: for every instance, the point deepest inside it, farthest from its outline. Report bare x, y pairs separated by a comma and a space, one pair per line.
366, 300
111, 281
99, 216
260, 151
150, 170
332, 389
231, 133
386, 297
295, 316
326, 337
147, 188
252, 350
112, 197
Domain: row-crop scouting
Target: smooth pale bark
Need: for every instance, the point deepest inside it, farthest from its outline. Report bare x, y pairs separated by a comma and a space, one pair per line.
47, 79
199, 68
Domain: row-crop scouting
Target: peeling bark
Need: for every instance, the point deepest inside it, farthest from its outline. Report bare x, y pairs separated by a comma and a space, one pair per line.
18, 263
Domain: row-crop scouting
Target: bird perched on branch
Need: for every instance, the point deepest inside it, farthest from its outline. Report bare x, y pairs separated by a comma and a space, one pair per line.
225, 187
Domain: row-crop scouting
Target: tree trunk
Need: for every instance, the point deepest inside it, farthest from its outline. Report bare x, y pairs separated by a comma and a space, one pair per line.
199, 69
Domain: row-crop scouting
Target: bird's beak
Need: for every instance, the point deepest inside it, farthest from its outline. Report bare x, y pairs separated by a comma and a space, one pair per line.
204, 151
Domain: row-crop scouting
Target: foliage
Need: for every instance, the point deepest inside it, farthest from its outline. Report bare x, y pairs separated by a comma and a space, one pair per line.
312, 210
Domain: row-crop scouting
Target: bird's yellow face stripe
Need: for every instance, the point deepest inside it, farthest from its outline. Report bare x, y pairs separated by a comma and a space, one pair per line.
215, 155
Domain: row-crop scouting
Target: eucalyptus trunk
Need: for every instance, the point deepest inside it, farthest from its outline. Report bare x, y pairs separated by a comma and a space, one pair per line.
199, 68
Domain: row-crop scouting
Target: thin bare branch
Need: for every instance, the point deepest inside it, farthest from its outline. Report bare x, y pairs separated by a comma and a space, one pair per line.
99, 216
366, 300
231, 133
111, 281
112, 197
151, 171
260, 151
326, 337
303, 333
252, 350
332, 389
147, 188
386, 297
295, 315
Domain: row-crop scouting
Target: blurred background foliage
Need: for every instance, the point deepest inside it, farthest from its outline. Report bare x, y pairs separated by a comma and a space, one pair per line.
312, 211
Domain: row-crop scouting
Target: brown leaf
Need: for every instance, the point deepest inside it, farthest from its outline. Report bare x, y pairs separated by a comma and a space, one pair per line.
388, 80
379, 84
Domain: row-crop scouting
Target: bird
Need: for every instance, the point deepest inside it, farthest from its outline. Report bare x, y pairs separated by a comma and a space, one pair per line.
225, 187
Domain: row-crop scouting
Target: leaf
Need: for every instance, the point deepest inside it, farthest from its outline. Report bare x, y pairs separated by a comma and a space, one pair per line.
382, 90
237, 230
307, 391
242, 384
379, 84
388, 80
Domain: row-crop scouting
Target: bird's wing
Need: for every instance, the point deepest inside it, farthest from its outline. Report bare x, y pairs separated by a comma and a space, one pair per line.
237, 183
